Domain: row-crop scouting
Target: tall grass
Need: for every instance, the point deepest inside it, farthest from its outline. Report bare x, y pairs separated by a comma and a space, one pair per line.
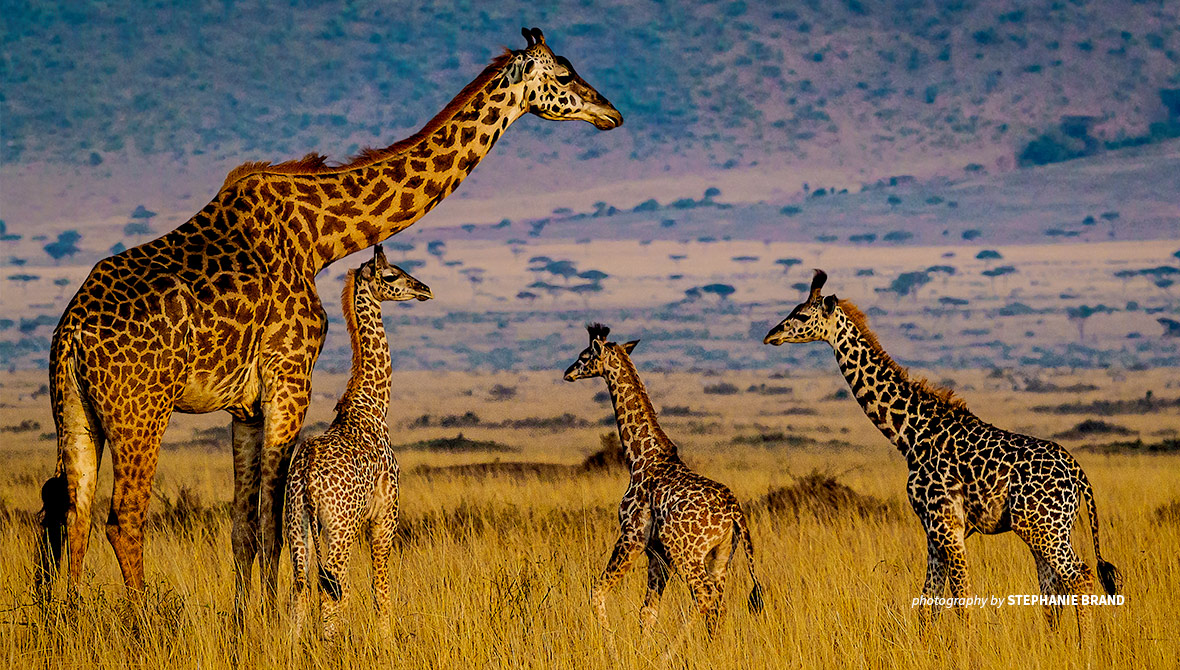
495, 572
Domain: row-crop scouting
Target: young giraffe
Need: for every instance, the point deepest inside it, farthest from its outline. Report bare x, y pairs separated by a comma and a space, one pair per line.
966, 475
222, 314
679, 518
348, 475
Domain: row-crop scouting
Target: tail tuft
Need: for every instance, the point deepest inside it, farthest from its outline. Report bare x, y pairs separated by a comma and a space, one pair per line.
55, 505
1111, 578
755, 602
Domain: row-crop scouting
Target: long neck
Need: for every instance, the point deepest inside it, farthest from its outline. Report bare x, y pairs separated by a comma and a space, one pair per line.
335, 213
365, 403
908, 413
642, 438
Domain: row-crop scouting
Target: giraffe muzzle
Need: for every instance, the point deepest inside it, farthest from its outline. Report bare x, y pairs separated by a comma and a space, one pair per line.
608, 119
775, 337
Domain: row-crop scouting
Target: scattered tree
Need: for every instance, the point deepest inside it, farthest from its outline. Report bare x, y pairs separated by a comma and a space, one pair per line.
66, 245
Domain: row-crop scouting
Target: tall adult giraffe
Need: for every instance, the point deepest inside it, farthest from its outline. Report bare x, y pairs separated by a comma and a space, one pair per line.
966, 475
222, 313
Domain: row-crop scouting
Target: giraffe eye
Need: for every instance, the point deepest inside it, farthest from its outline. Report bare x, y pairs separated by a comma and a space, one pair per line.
564, 79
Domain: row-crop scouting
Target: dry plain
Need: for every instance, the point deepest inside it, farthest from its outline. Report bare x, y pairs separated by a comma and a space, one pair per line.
494, 569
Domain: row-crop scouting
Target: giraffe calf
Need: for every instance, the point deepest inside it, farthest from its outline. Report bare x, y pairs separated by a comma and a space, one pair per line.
348, 477
679, 518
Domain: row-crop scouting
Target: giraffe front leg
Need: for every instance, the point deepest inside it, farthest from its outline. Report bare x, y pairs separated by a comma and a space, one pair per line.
247, 451
282, 419
626, 550
382, 536
934, 585
954, 550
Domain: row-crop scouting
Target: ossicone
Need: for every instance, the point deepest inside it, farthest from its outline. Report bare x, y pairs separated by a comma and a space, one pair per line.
817, 282
597, 331
532, 36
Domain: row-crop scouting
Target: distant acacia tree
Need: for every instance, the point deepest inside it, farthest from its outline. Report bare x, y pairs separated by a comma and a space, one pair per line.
907, 283
66, 245
722, 291
788, 263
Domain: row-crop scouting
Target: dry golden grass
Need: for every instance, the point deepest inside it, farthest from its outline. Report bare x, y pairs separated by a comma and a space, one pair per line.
505, 582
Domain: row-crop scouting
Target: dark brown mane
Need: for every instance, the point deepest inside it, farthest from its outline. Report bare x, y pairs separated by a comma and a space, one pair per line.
314, 163
348, 306
862, 324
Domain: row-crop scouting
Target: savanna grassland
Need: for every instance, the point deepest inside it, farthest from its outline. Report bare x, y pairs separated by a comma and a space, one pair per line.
493, 568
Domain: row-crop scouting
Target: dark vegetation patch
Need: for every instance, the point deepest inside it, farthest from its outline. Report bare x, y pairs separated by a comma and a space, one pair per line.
501, 392
464, 420
781, 439
457, 444
1148, 404
793, 411
722, 388
25, 426
186, 514
1168, 513
1165, 446
217, 438
609, 455
764, 389
678, 410
822, 496
1091, 427
560, 422
1036, 385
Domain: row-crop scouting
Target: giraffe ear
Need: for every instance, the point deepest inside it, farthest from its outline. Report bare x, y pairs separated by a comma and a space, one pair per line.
528, 37
629, 346
540, 38
817, 283
830, 304
379, 255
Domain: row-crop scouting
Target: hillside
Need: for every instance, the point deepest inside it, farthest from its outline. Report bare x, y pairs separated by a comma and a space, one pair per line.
923, 87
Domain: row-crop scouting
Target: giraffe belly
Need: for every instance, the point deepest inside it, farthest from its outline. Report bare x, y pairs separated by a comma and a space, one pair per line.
239, 392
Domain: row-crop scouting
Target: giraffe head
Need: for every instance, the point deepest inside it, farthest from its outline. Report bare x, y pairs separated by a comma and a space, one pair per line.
812, 320
594, 359
553, 90
389, 282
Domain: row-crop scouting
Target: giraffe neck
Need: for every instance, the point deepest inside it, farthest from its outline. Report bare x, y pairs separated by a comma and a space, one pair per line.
914, 418
642, 438
333, 212
365, 403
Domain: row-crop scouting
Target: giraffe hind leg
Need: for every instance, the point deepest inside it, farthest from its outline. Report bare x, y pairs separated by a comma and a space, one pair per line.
1075, 577
1050, 586
659, 569
134, 454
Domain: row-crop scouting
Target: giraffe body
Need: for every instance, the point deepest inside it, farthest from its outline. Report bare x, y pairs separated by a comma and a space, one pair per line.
965, 475
677, 517
222, 314
347, 478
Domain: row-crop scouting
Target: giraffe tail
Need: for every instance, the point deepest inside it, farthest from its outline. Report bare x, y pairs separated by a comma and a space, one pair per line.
1108, 575
743, 537
55, 492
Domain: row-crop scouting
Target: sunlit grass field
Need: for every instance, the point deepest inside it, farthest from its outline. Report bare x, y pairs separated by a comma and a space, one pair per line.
495, 571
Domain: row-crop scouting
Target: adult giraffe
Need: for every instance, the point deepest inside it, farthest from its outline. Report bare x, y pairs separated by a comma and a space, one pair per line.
965, 475
222, 313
